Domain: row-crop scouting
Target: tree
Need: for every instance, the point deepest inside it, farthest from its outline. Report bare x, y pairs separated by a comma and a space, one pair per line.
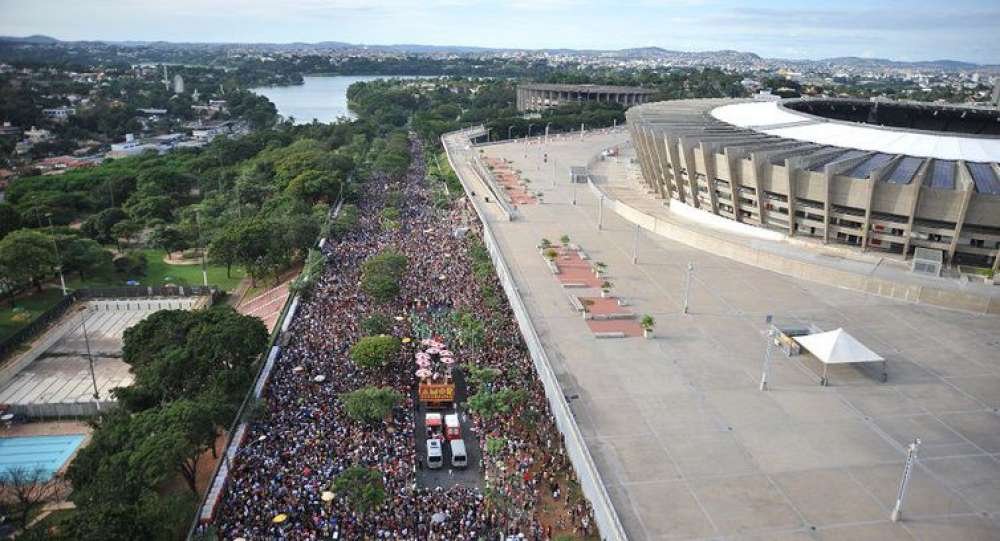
29, 489
370, 404
361, 487
126, 229
84, 255
375, 351
489, 404
10, 219
27, 256
380, 275
174, 438
99, 226
469, 328
170, 239
147, 208
177, 354
376, 324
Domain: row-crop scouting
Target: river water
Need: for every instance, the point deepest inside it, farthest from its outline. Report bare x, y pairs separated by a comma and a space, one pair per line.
323, 98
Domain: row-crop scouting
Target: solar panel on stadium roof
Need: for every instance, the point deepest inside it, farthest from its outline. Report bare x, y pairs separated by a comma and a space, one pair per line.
943, 176
836, 158
986, 180
866, 167
904, 171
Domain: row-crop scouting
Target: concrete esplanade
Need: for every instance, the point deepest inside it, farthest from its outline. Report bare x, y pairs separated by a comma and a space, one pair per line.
538, 96
885, 177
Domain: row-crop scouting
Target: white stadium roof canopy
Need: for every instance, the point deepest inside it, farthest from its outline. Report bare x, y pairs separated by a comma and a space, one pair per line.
769, 118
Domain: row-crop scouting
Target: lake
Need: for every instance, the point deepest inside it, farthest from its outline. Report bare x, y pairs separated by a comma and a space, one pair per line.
321, 97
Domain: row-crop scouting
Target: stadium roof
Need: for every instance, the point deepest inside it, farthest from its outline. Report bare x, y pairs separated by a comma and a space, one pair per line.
587, 88
773, 119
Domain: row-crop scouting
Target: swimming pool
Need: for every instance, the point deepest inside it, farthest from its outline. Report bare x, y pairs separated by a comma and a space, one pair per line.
48, 453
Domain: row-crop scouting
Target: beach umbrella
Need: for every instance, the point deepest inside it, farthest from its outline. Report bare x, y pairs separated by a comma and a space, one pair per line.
448, 360
400, 318
278, 519
327, 496
423, 363
426, 342
433, 351
423, 373
406, 340
446, 353
298, 369
438, 518
320, 378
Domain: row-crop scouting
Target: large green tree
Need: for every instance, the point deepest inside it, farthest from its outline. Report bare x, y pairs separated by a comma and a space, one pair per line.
27, 256
370, 404
375, 351
361, 487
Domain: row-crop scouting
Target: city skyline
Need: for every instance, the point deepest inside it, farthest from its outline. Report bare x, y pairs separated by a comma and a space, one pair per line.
905, 31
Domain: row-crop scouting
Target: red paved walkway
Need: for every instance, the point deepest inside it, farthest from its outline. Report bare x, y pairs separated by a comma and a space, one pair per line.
602, 306
574, 270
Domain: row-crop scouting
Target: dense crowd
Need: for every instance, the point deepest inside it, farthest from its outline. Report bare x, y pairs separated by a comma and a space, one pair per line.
295, 450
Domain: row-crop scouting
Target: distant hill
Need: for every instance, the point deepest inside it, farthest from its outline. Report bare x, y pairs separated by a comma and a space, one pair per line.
32, 40
720, 57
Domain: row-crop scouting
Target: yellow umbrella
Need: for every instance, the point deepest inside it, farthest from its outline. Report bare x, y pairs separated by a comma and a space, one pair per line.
406, 340
327, 496
279, 518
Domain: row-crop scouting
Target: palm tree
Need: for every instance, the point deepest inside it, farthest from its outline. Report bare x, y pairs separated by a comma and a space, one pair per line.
647, 323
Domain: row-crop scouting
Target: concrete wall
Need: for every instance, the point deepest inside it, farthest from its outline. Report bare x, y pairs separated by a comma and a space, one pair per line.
590, 479
803, 269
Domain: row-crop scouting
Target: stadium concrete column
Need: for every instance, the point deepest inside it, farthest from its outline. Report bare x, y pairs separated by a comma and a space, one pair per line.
968, 187
661, 162
827, 188
639, 140
708, 158
873, 181
674, 160
735, 183
791, 171
916, 188
756, 168
691, 170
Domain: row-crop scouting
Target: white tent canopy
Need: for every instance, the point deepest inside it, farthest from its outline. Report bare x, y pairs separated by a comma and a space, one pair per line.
837, 347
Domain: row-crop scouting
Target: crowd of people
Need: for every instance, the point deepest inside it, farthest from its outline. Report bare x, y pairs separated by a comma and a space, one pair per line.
303, 440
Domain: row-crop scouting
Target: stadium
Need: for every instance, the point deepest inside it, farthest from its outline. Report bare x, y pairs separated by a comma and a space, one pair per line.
888, 177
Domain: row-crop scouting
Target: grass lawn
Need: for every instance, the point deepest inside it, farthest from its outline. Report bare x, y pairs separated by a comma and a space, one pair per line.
25, 310
159, 273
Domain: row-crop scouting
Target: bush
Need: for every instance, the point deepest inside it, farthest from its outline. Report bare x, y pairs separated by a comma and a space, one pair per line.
131, 264
376, 324
375, 351
380, 275
370, 404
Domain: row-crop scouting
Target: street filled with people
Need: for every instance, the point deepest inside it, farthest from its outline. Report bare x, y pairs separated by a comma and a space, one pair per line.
300, 442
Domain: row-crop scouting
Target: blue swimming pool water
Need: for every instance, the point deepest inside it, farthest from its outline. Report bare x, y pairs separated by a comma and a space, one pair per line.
48, 453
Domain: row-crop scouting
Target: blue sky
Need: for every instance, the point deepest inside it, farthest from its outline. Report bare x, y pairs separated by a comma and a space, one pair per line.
900, 29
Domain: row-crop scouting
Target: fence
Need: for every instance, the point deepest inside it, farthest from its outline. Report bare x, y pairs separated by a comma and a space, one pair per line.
39, 324
590, 479
42, 322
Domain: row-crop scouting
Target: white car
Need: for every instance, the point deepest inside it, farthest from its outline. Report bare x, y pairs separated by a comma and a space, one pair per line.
435, 459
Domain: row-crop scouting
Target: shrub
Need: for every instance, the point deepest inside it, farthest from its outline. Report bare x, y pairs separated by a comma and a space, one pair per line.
375, 351
370, 404
133, 264
376, 324
380, 275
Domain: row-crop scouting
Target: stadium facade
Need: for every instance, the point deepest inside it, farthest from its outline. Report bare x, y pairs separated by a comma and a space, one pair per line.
881, 176
540, 96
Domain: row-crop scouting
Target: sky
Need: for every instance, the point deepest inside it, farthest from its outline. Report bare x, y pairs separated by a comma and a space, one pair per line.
966, 30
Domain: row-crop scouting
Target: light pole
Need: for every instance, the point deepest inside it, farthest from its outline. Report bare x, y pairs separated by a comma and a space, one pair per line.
509, 128
204, 269
911, 457
90, 357
581, 131
529, 133
687, 286
635, 246
600, 213
767, 354
62, 280
547, 133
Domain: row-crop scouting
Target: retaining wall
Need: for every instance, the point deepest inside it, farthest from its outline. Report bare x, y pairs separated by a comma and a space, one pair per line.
591, 483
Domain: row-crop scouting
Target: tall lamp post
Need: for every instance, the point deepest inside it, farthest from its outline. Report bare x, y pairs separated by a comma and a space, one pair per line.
201, 247
90, 357
62, 280
687, 286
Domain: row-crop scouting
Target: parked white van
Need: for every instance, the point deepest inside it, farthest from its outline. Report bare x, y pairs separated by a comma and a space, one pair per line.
434, 457
458, 457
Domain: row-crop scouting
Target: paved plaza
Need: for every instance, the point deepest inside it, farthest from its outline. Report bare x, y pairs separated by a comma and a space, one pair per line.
687, 445
57, 382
